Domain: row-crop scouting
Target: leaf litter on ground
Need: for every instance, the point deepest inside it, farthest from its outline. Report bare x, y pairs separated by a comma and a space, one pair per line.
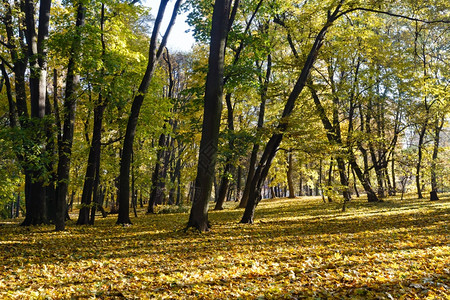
297, 249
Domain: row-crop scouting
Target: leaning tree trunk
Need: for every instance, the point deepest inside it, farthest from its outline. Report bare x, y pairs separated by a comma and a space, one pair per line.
334, 137
371, 195
274, 142
155, 53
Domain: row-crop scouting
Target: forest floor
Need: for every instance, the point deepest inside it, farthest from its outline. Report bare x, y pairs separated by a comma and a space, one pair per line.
297, 249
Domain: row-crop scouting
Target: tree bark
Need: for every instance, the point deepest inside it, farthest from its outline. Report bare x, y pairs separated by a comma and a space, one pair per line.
198, 217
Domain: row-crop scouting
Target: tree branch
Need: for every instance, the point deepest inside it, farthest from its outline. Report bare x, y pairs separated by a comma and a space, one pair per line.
233, 14
9, 46
169, 27
112, 141
393, 15
6, 63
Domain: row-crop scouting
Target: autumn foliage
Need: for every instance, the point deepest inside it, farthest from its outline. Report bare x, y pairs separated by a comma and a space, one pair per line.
299, 248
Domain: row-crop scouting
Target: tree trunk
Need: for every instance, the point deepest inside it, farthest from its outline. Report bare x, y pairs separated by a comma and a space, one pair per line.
97, 195
343, 179
437, 131
50, 189
65, 148
198, 217
125, 162
394, 180
330, 181
9, 95
371, 196
223, 187
238, 183
419, 159
92, 176
157, 193
334, 137
260, 176
354, 183
93, 160
37, 53
225, 180
254, 154
320, 181
289, 176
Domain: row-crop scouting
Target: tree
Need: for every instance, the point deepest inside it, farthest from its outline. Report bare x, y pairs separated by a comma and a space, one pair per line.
65, 144
155, 53
36, 206
275, 140
198, 217
264, 82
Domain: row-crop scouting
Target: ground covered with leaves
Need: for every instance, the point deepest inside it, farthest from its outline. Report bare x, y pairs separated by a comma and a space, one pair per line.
297, 249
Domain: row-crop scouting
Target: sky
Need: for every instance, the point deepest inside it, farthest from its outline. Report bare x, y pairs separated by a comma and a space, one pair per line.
179, 40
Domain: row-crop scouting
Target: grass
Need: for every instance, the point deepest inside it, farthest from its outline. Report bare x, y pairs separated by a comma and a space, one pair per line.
297, 249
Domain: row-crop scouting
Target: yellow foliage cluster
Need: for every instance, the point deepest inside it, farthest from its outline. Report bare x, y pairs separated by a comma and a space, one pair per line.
299, 249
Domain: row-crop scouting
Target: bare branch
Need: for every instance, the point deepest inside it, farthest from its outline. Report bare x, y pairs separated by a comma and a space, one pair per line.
393, 15
169, 28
